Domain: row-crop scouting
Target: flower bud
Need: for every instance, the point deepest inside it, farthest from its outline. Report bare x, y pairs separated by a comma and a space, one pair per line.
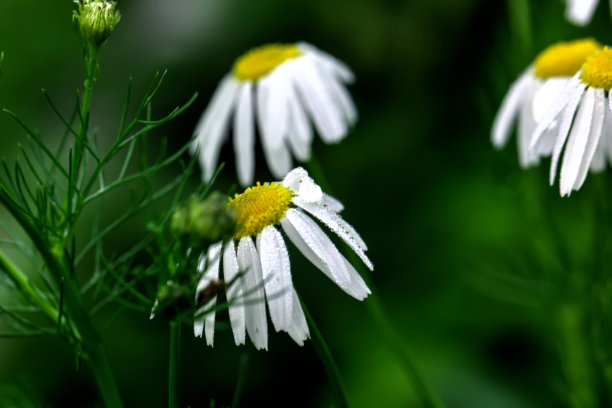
209, 220
97, 19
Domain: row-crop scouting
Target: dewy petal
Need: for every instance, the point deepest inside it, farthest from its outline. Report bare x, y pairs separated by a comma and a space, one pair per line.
252, 284
329, 63
298, 181
502, 125
212, 273
574, 86
574, 149
298, 328
580, 12
332, 203
597, 122
326, 115
308, 237
277, 276
244, 135
234, 292
564, 128
213, 125
338, 225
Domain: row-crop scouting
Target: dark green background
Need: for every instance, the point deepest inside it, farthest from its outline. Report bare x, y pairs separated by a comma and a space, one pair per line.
457, 232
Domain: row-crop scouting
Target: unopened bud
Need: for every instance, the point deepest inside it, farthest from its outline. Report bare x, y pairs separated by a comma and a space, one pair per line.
97, 19
209, 220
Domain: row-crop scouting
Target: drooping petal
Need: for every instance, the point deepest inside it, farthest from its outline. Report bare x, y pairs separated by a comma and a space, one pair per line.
574, 149
527, 124
342, 98
234, 292
594, 136
213, 125
298, 329
277, 276
298, 121
254, 299
502, 125
300, 149
317, 99
567, 118
574, 86
329, 63
339, 226
244, 135
546, 94
211, 274
308, 237
580, 12
275, 113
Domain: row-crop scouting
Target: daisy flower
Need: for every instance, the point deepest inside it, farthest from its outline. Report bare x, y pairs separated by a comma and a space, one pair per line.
580, 12
533, 92
279, 87
583, 118
256, 265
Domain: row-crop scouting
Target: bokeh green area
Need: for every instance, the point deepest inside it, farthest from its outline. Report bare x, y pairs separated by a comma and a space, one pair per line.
466, 245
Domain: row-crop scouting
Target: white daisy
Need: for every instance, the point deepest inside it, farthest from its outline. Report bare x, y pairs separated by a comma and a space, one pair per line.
279, 87
265, 274
580, 12
533, 92
583, 111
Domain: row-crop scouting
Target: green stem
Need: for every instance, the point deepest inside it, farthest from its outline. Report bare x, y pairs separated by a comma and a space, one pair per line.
173, 364
520, 24
56, 261
327, 359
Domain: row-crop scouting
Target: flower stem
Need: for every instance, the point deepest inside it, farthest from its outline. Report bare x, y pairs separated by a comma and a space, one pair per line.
327, 359
173, 364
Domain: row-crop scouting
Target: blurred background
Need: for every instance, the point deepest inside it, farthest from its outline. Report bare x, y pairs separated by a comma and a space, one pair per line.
462, 239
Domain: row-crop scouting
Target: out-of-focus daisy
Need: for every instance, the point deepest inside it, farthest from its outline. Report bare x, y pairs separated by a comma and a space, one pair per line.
583, 118
279, 87
580, 12
533, 92
256, 265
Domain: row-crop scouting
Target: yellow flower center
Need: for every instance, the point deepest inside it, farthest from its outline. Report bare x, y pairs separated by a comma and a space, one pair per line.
597, 70
261, 60
259, 207
564, 59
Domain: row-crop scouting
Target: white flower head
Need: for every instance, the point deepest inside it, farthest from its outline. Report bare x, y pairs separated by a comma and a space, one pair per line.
580, 12
255, 262
279, 88
533, 92
583, 111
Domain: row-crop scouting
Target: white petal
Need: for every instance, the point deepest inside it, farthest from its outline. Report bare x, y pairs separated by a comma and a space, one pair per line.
244, 135
252, 284
574, 150
300, 149
298, 122
527, 124
329, 63
598, 163
564, 128
234, 292
279, 159
213, 125
298, 329
607, 133
308, 237
342, 98
338, 225
574, 86
502, 125
546, 94
212, 273
277, 276
593, 137
332, 203
317, 99
580, 12
275, 112
298, 181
